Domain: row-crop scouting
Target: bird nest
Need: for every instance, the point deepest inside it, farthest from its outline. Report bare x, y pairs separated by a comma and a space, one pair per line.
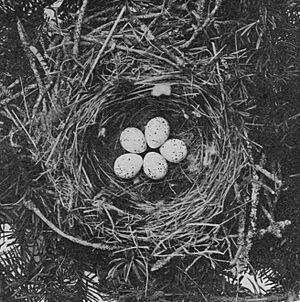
174, 215
129, 70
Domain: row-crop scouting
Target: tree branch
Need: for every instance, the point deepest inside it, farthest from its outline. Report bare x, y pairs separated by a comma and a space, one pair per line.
101, 246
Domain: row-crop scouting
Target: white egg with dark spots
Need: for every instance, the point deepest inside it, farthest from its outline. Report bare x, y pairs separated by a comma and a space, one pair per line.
155, 166
133, 140
174, 150
157, 132
128, 165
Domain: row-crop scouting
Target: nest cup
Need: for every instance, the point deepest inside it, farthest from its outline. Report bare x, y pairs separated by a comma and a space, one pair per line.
137, 113
175, 211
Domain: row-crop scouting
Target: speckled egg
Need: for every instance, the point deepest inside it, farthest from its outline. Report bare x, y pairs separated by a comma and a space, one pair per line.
155, 166
157, 132
173, 150
133, 140
128, 165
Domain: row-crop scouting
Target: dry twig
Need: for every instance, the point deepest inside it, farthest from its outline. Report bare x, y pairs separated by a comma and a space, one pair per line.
40, 84
268, 174
18, 94
101, 246
78, 26
200, 28
104, 45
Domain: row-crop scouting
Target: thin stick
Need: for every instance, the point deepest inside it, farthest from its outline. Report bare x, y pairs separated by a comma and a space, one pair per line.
149, 36
242, 299
238, 260
78, 28
19, 124
200, 28
15, 96
101, 246
147, 54
31, 58
268, 174
104, 45
252, 216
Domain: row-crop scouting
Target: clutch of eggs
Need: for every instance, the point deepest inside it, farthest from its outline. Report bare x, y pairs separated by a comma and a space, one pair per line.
157, 132
128, 165
133, 140
174, 150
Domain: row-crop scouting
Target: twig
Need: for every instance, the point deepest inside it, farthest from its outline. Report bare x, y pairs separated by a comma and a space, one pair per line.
245, 245
15, 83
40, 59
267, 188
15, 96
30, 56
4, 91
101, 246
78, 26
242, 299
268, 174
238, 261
200, 28
147, 54
268, 215
19, 125
253, 212
275, 228
126, 19
38, 101
194, 282
162, 262
104, 45
149, 36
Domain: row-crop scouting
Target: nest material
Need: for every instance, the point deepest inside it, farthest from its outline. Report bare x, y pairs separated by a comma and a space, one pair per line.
101, 91
176, 211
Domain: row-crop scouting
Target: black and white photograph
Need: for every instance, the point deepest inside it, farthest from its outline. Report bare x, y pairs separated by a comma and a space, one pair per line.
149, 150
